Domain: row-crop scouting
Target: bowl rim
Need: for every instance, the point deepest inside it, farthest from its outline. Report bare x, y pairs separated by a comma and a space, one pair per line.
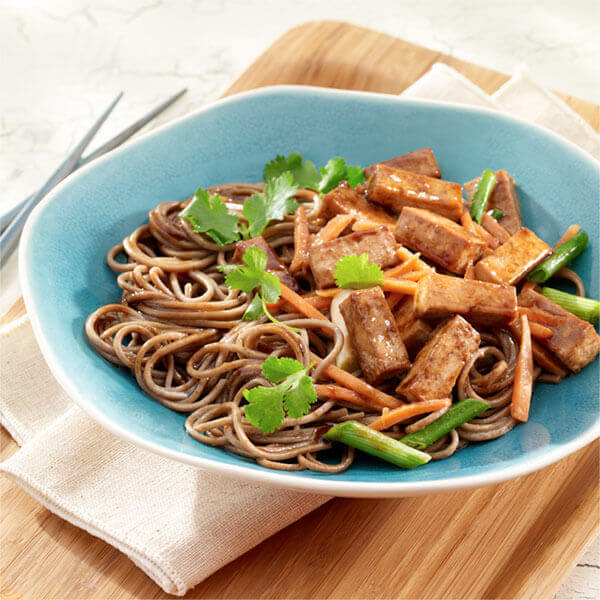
281, 479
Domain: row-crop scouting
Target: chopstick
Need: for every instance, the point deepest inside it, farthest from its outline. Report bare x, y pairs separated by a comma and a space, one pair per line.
15, 219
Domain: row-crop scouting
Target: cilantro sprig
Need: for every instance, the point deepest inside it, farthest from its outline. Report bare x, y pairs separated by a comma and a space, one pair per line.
210, 215
274, 204
293, 394
356, 272
253, 276
306, 175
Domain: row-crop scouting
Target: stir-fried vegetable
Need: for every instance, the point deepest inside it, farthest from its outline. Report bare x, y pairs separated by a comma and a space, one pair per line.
523, 384
361, 437
484, 190
587, 309
560, 258
457, 415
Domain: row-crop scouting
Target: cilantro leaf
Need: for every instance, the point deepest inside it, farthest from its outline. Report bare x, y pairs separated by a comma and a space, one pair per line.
295, 392
264, 408
255, 309
305, 174
274, 204
210, 215
277, 369
299, 397
356, 272
256, 259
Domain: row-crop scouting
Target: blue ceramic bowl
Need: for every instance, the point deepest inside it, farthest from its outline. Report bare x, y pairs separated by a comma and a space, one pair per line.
65, 277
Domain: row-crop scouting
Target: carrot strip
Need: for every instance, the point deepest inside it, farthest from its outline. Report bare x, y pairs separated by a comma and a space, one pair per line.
567, 235
333, 228
328, 292
467, 222
492, 226
300, 304
399, 286
542, 357
393, 300
414, 275
380, 399
404, 254
523, 383
299, 262
540, 316
342, 394
540, 331
408, 265
469, 271
486, 236
402, 413
363, 223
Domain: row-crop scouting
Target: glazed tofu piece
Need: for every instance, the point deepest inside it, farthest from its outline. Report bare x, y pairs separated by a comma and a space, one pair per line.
420, 161
438, 365
574, 341
374, 335
414, 331
439, 239
378, 243
511, 261
274, 265
505, 198
347, 200
440, 296
396, 189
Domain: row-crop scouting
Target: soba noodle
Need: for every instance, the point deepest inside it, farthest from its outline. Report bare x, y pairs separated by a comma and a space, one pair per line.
179, 329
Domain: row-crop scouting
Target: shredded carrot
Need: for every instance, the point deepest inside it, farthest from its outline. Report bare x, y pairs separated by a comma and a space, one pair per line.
407, 265
404, 254
393, 300
399, 286
542, 357
529, 285
467, 222
275, 305
540, 316
328, 292
299, 262
415, 275
492, 226
300, 304
333, 228
402, 413
469, 271
523, 382
360, 386
567, 235
363, 223
342, 394
540, 331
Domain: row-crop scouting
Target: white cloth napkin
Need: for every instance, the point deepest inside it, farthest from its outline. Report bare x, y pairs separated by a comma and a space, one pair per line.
177, 523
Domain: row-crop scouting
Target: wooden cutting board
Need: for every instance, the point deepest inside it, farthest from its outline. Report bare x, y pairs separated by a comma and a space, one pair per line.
514, 540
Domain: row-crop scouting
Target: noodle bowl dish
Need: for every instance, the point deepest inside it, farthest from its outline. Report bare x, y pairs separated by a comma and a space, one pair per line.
341, 292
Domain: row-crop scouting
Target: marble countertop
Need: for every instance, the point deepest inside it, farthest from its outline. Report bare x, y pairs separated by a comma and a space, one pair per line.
62, 61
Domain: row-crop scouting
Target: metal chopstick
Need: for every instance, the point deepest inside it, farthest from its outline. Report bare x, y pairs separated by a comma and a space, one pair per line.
113, 143
10, 236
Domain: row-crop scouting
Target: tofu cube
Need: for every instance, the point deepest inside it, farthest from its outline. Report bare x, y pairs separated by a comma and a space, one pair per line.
420, 161
374, 335
414, 331
439, 239
438, 365
396, 189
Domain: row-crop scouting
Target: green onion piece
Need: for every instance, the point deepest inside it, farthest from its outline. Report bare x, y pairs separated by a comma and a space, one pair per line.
357, 435
484, 190
584, 308
496, 213
456, 415
560, 258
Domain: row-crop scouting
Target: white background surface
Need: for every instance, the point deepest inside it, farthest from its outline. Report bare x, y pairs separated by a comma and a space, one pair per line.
62, 61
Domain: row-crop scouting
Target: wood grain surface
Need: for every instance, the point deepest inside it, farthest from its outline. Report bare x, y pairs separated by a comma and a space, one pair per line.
514, 540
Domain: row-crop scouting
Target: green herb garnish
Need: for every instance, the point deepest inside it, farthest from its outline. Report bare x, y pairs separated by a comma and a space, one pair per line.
293, 394
209, 215
253, 276
274, 204
356, 272
306, 175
